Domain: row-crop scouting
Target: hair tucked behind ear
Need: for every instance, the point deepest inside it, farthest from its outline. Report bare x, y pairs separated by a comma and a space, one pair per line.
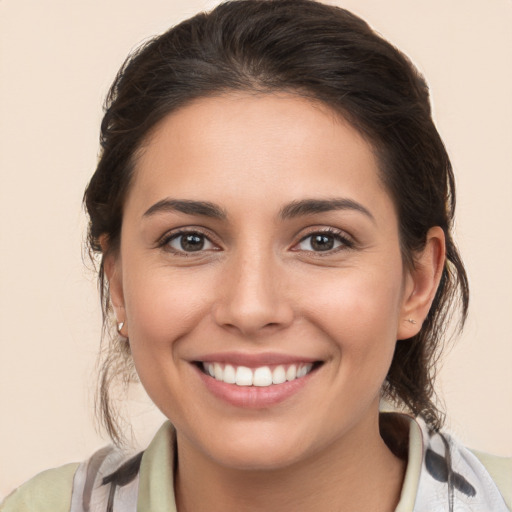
320, 52
117, 370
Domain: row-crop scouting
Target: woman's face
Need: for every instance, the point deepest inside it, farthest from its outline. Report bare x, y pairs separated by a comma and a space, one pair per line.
259, 244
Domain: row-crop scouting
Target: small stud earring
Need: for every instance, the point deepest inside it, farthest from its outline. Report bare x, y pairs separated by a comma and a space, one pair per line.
120, 326
411, 320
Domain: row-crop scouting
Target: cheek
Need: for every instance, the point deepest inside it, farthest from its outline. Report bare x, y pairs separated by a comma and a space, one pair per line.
163, 306
360, 312
358, 301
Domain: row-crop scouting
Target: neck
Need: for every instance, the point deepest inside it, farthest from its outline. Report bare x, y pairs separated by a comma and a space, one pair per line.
355, 473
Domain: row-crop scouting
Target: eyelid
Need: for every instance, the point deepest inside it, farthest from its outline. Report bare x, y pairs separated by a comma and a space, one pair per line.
164, 240
347, 241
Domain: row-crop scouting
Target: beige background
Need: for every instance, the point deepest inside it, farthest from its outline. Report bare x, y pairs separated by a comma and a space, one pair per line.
58, 58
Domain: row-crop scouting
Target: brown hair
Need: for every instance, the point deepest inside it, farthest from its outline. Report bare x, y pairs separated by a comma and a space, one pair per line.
321, 52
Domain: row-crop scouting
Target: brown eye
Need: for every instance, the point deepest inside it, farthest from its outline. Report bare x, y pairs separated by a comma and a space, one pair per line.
190, 242
323, 242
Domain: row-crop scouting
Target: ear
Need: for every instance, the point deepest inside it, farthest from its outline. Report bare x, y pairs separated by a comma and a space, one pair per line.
421, 284
113, 273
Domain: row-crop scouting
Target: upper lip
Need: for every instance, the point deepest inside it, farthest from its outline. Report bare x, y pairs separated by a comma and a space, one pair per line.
254, 360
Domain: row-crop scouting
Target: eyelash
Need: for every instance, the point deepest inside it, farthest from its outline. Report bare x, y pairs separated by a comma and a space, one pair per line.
339, 236
164, 242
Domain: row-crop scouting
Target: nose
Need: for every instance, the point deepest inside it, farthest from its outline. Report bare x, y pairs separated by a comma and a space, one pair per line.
252, 296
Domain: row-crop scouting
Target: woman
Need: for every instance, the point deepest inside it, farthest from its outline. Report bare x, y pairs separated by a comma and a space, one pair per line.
273, 207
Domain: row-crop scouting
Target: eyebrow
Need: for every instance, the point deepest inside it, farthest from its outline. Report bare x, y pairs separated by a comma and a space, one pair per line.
313, 206
189, 207
292, 210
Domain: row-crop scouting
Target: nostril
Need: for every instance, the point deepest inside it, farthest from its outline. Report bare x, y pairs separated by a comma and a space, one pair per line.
250, 315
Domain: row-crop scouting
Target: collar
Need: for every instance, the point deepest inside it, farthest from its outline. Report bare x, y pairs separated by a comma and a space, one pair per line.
441, 475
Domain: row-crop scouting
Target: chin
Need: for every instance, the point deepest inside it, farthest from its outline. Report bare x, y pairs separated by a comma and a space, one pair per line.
262, 449
258, 457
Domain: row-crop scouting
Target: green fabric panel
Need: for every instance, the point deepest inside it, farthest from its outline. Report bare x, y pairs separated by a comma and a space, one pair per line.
49, 491
500, 469
156, 490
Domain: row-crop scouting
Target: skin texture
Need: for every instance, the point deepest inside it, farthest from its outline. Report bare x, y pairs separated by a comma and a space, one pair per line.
258, 287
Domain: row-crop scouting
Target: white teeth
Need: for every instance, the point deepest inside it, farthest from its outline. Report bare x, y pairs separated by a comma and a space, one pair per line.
260, 377
217, 371
305, 370
229, 374
278, 375
291, 373
243, 376
301, 372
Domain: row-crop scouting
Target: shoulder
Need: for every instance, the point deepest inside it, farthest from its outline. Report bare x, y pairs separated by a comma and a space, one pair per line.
440, 468
500, 470
49, 491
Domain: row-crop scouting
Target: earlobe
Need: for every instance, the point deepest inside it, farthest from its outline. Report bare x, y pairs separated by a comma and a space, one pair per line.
422, 283
113, 274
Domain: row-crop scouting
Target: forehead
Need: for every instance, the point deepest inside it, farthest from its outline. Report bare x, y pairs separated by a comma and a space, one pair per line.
255, 147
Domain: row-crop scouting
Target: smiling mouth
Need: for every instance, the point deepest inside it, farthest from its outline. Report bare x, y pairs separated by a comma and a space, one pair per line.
262, 376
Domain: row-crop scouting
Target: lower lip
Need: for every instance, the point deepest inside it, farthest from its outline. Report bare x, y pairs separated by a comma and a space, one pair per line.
254, 397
